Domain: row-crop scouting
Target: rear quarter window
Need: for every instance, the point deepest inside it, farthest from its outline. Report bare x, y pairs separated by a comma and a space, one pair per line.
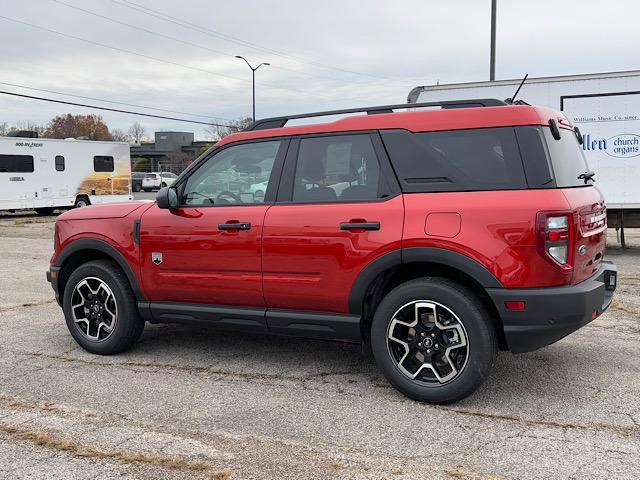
460, 160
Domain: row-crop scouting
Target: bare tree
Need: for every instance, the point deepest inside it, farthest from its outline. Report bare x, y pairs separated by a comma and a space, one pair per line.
119, 135
137, 132
4, 129
217, 132
30, 126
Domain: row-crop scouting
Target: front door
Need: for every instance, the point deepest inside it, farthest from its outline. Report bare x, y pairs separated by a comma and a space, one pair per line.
208, 251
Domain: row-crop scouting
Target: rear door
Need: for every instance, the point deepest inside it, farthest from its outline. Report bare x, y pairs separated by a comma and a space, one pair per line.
208, 250
338, 209
585, 200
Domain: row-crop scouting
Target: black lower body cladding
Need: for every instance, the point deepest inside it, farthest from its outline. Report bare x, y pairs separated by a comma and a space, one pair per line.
555, 312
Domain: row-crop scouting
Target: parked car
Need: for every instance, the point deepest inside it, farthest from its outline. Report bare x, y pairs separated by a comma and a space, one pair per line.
157, 180
136, 181
435, 236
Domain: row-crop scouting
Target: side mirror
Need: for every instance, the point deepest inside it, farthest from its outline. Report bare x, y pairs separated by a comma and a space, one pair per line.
167, 197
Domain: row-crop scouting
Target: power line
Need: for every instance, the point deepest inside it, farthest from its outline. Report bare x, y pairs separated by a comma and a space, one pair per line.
111, 109
186, 42
149, 57
110, 101
207, 31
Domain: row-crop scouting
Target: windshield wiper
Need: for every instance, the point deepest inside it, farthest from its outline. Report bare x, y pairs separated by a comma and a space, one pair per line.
586, 176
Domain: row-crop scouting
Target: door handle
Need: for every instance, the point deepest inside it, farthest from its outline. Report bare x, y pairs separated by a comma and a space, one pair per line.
234, 226
360, 226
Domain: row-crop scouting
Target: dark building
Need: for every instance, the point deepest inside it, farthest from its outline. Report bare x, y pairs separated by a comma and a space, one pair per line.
171, 151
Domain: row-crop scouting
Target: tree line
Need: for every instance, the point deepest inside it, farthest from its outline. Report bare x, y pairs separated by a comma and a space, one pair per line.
93, 127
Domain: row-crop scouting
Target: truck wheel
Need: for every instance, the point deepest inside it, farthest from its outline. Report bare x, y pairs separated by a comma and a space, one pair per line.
100, 308
137, 187
433, 340
82, 201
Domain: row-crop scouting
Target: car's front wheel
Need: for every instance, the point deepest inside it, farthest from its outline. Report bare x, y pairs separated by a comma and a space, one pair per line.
100, 308
434, 340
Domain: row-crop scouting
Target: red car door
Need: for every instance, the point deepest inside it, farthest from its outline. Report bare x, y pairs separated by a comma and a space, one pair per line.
208, 250
337, 210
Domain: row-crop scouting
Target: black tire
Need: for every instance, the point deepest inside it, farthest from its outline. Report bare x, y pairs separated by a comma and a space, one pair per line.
137, 187
477, 324
128, 324
163, 185
44, 211
82, 201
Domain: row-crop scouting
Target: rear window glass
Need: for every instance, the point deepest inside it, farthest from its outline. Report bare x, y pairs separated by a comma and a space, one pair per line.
567, 158
460, 160
16, 163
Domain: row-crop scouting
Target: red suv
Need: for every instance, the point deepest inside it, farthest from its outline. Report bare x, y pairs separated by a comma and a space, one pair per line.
436, 236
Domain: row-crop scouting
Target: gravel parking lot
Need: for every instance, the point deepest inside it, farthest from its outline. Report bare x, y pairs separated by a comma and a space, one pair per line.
188, 402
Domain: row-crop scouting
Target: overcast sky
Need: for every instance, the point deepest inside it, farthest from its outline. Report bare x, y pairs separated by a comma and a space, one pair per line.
324, 54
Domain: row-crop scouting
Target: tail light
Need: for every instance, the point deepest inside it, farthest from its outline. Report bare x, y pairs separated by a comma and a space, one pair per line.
555, 237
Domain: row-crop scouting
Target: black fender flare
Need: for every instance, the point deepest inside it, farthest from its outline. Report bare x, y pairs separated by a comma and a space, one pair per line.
102, 246
397, 258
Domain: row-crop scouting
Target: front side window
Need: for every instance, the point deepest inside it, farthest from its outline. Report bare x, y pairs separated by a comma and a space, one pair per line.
340, 168
16, 163
59, 163
102, 163
236, 175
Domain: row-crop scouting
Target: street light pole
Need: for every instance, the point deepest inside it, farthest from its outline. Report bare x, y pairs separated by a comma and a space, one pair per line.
253, 81
492, 59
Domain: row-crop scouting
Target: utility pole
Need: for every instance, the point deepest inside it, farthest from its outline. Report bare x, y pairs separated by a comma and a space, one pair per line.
253, 81
492, 60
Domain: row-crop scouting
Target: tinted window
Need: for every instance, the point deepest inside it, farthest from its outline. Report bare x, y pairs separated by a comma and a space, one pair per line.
339, 169
535, 157
16, 163
102, 164
477, 159
567, 158
234, 176
59, 163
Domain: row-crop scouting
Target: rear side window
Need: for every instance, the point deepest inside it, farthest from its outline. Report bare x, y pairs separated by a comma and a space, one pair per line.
16, 163
342, 168
459, 160
102, 163
567, 158
59, 163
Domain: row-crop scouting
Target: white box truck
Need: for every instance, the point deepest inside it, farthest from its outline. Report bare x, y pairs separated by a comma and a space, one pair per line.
606, 109
45, 174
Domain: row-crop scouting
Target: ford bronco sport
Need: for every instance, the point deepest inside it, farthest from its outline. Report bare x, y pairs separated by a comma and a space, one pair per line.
436, 236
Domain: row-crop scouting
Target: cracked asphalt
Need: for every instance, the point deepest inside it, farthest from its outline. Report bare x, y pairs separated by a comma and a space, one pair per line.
191, 403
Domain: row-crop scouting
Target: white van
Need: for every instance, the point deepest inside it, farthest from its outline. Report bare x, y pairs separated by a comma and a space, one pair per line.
44, 174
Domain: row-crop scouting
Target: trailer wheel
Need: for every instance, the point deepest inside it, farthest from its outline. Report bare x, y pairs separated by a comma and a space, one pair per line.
82, 201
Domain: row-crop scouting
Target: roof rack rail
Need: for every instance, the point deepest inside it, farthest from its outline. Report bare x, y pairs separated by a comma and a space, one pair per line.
279, 122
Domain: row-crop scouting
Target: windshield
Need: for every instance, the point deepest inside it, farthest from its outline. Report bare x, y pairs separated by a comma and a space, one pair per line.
567, 159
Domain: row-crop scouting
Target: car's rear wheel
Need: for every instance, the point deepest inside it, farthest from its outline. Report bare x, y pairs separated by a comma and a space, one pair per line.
433, 340
100, 308
137, 187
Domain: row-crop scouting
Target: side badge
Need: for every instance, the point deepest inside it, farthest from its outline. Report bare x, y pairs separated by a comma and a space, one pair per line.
156, 257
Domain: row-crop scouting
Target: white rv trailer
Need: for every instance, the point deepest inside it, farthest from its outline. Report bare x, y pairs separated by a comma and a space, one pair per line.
606, 108
44, 174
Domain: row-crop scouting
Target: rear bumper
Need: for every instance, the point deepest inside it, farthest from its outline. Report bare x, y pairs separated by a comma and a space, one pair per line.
555, 312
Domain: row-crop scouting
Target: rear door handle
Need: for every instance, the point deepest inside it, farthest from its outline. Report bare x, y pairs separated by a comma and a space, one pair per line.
234, 226
360, 226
